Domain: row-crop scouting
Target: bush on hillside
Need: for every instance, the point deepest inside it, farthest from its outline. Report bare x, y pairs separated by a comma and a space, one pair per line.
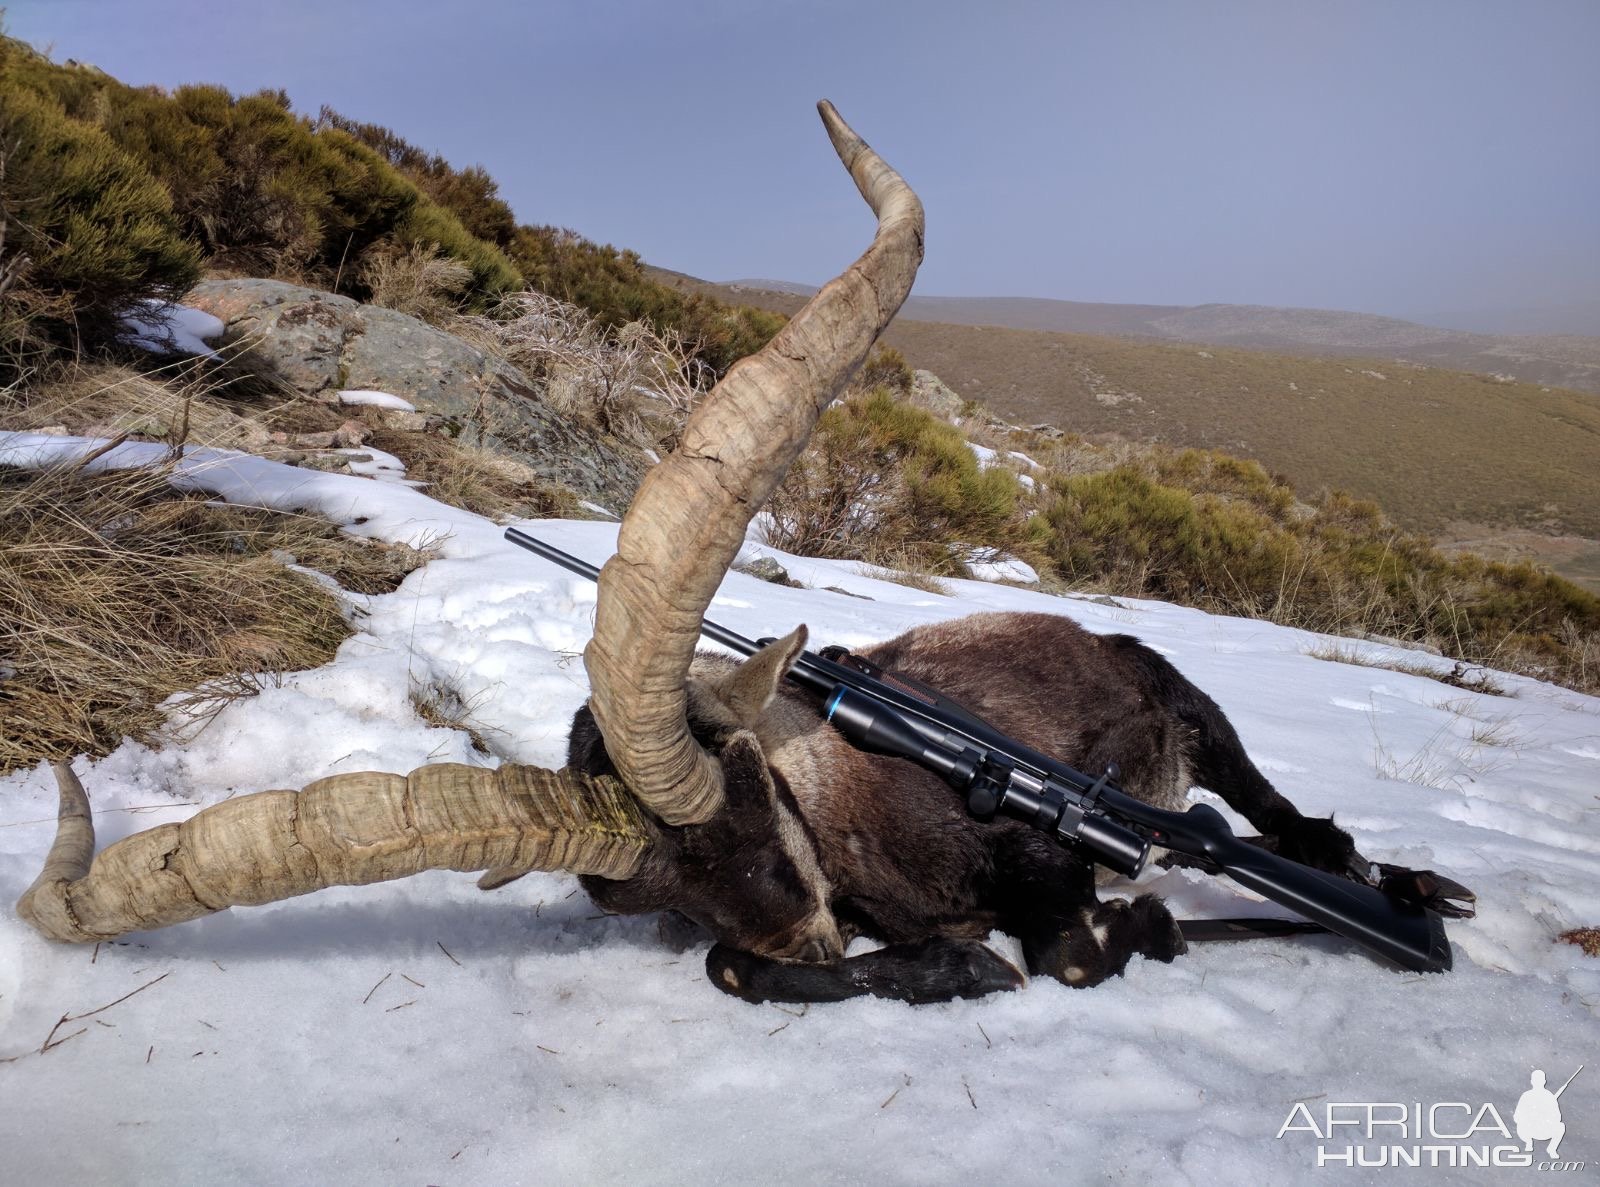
263, 191
1221, 534
611, 285
469, 194
257, 187
891, 484
86, 230
615, 288
885, 368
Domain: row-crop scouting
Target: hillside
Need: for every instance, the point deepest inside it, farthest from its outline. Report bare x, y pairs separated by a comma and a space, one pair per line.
1560, 360
1513, 467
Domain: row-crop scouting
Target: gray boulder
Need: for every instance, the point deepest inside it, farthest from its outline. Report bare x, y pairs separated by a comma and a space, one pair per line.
320, 343
932, 393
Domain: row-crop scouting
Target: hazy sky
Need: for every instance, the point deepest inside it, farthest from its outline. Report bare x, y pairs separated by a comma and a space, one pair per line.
1396, 157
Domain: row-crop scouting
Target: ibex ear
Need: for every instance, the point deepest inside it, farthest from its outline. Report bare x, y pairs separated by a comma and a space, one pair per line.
753, 685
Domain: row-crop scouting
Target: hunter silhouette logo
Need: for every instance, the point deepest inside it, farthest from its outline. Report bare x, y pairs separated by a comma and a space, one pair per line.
1445, 1133
1538, 1115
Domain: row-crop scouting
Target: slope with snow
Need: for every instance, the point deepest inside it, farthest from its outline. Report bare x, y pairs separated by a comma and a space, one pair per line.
425, 1032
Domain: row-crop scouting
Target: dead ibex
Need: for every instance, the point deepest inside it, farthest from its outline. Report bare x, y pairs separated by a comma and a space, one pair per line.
708, 788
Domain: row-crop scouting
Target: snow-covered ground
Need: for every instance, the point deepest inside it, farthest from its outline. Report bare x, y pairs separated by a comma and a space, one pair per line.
425, 1032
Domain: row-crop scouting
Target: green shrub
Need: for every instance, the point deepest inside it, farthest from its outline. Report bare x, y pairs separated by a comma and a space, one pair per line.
469, 194
891, 484
1205, 471
887, 368
97, 229
1223, 535
1166, 541
261, 190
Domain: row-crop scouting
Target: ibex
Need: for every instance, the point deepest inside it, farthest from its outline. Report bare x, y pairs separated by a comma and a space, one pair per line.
707, 787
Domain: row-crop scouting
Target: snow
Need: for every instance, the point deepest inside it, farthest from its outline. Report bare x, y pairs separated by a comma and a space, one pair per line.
424, 1032
375, 463
375, 399
164, 328
989, 458
986, 565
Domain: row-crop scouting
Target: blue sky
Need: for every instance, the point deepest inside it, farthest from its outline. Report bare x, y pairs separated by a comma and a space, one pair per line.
1395, 157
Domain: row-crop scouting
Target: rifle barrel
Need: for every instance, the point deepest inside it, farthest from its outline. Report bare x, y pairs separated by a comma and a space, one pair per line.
718, 634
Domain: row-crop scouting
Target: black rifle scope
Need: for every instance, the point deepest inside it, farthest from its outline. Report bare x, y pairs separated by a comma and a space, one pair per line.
989, 783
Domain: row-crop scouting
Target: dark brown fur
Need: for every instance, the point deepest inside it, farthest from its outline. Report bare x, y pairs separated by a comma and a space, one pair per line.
821, 842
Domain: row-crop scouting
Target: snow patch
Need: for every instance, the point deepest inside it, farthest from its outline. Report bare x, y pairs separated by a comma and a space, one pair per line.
162, 327
985, 565
374, 399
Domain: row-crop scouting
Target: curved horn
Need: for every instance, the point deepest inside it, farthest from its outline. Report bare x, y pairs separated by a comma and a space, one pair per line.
689, 518
346, 830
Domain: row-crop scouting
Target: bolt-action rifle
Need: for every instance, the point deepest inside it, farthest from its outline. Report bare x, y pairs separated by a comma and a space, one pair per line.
1396, 914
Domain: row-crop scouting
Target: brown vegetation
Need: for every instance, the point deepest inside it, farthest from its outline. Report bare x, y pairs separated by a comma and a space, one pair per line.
1587, 938
117, 592
894, 486
890, 484
630, 382
1429, 445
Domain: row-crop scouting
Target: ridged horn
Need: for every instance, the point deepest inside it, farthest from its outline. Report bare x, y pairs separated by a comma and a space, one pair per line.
689, 517
345, 830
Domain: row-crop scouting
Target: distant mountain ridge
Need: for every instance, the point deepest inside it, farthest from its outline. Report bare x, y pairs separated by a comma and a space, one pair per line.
1559, 360
1573, 317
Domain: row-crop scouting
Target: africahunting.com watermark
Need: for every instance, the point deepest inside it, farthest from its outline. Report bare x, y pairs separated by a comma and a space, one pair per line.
1441, 1133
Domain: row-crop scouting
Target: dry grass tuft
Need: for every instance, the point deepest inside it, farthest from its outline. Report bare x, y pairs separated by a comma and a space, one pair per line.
475, 479
1469, 677
419, 280
632, 382
177, 402
117, 592
907, 572
440, 704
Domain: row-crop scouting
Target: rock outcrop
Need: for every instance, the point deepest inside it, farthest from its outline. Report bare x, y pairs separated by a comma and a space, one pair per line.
932, 393
320, 343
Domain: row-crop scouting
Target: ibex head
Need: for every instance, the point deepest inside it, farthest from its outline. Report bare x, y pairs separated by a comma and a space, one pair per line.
665, 779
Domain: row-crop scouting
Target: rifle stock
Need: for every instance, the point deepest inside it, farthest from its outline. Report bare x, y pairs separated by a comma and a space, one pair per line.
1411, 937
